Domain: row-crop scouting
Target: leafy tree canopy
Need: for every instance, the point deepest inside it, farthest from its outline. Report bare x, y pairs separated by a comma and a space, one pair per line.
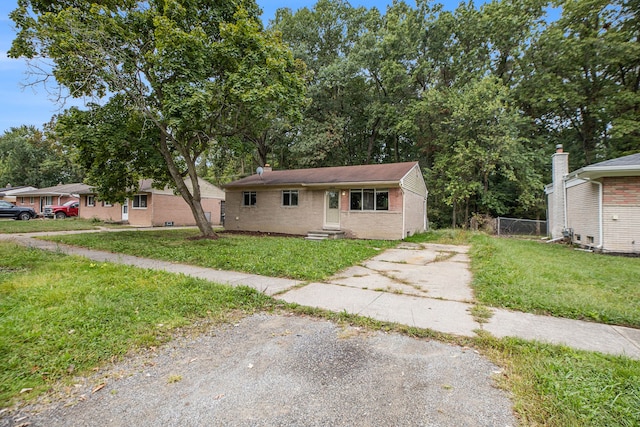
195, 71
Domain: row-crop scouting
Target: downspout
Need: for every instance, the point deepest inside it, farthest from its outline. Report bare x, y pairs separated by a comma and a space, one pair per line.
565, 203
600, 215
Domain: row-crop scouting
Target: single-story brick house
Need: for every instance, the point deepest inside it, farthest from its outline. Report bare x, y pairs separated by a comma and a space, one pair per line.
597, 206
382, 201
152, 207
56, 195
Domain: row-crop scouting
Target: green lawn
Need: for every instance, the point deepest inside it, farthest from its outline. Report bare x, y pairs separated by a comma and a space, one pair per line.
62, 315
291, 257
37, 225
555, 279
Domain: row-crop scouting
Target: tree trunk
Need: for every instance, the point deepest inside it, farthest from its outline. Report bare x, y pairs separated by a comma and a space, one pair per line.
192, 197
453, 216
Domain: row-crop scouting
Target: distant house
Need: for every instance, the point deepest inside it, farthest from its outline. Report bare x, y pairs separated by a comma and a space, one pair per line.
10, 193
597, 206
56, 195
152, 207
384, 201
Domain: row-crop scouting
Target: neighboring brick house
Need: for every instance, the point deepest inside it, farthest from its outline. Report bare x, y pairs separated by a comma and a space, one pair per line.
597, 206
56, 195
152, 207
384, 201
10, 193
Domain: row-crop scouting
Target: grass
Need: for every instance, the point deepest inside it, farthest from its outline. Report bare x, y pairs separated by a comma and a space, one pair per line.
556, 386
40, 225
289, 257
553, 279
62, 315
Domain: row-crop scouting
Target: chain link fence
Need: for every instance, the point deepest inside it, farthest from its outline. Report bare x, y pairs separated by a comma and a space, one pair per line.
521, 227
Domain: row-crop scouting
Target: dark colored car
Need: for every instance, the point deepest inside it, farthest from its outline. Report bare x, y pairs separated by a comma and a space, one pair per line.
9, 210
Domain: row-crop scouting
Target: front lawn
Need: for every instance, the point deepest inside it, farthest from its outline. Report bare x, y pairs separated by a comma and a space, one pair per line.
61, 316
555, 279
292, 257
41, 225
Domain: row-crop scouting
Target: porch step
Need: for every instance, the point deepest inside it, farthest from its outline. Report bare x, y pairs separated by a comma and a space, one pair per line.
325, 234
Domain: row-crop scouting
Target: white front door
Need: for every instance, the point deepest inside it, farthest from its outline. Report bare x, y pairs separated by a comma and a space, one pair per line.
125, 210
332, 209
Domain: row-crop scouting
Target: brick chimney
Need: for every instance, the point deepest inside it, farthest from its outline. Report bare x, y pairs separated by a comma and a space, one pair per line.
267, 167
557, 210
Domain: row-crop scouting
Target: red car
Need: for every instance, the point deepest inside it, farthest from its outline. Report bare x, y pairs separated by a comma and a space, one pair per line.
60, 212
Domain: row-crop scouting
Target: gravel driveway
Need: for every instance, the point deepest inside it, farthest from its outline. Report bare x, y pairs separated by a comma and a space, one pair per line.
279, 370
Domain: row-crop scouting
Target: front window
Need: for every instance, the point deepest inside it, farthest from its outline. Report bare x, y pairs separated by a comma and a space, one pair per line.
91, 201
140, 201
249, 198
369, 199
290, 198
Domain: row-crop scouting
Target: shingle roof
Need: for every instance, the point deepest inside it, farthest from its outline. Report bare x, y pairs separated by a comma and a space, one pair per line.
631, 160
58, 190
622, 166
388, 172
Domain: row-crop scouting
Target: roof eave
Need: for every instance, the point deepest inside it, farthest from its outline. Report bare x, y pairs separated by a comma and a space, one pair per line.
595, 172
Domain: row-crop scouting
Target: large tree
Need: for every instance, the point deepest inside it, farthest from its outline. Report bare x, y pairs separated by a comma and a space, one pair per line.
187, 74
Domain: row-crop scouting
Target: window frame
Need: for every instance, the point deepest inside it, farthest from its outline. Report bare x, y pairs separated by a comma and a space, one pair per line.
368, 199
251, 197
138, 198
90, 200
290, 203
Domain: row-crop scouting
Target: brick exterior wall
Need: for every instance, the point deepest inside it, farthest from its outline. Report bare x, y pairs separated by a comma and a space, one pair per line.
621, 214
582, 213
160, 208
269, 216
99, 211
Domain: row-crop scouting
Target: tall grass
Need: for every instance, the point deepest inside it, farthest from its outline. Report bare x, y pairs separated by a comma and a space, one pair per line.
556, 386
555, 279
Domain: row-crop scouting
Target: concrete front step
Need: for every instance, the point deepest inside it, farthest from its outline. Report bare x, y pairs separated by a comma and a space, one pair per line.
325, 234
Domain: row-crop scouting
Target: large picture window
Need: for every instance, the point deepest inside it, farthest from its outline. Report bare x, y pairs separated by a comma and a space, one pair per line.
140, 201
290, 198
249, 198
369, 199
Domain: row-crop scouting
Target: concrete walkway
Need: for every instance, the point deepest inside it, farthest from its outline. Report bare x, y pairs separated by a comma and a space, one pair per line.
421, 285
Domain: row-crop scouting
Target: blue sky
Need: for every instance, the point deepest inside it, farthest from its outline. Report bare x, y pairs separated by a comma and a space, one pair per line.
35, 105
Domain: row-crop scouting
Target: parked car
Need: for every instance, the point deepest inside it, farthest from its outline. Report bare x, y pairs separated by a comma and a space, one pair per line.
60, 212
9, 210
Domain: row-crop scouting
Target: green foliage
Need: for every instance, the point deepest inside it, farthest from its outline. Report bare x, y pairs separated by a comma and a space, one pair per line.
62, 316
290, 257
554, 279
181, 77
29, 157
